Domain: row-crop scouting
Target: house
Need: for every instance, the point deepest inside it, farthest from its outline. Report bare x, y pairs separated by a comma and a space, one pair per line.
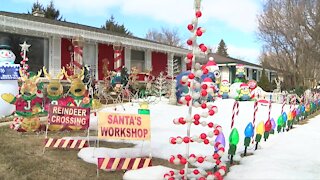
51, 46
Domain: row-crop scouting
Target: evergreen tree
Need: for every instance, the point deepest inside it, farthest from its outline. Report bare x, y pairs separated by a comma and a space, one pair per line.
112, 25
36, 7
222, 49
52, 13
264, 82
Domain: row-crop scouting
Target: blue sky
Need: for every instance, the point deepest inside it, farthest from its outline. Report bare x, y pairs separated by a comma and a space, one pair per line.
231, 20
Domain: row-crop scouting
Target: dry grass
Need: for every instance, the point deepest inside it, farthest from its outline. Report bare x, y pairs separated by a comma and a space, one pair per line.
21, 157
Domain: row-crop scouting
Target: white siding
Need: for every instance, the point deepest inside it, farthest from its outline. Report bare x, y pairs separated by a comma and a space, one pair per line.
54, 55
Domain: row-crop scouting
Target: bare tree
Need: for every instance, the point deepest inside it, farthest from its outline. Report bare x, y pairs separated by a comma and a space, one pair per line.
288, 29
166, 36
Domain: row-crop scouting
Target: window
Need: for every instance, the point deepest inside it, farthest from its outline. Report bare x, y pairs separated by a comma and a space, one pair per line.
38, 51
254, 74
138, 60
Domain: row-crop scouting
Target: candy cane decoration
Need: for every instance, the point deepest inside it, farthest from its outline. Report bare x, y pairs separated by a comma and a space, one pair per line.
255, 109
78, 54
269, 113
235, 112
283, 104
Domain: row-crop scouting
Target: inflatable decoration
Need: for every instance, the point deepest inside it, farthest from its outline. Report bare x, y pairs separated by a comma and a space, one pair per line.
224, 89
28, 104
9, 75
254, 91
244, 93
240, 73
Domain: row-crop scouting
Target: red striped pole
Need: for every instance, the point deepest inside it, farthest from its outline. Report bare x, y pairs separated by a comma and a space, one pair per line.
123, 163
283, 104
269, 113
65, 143
235, 112
117, 60
255, 109
78, 54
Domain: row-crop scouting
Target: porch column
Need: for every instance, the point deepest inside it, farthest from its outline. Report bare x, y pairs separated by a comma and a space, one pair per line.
127, 58
148, 59
170, 63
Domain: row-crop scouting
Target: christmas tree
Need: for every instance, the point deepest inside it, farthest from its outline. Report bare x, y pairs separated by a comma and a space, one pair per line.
160, 85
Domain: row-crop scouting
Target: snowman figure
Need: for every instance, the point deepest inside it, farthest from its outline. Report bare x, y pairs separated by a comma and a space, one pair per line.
6, 55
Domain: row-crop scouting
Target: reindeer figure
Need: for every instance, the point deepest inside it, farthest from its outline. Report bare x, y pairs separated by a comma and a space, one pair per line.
78, 91
54, 89
28, 104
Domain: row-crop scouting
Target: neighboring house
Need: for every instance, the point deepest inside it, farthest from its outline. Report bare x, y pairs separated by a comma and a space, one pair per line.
51, 46
227, 66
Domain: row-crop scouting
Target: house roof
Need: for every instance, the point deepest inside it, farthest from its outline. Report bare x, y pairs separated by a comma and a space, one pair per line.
31, 17
229, 60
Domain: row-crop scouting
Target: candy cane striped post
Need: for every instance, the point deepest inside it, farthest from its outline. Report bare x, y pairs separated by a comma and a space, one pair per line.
123, 163
269, 113
117, 47
283, 104
255, 110
65, 143
235, 112
78, 53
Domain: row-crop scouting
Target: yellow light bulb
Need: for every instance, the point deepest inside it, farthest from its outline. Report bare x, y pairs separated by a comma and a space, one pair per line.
260, 128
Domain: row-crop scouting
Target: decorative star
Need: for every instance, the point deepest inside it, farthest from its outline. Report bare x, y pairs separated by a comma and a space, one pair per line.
25, 46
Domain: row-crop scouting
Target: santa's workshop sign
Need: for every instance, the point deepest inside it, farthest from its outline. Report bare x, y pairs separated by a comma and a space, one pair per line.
69, 116
123, 126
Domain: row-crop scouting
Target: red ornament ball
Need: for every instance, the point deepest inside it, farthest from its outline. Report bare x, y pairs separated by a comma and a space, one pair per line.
179, 156
183, 161
200, 159
198, 14
206, 141
171, 178
204, 93
186, 139
216, 132
210, 124
197, 122
190, 27
171, 173
196, 117
211, 112
196, 171
203, 136
189, 55
203, 105
192, 155
171, 159
215, 156
187, 97
182, 121
191, 76
204, 86
181, 171
173, 141
199, 32
189, 42
202, 178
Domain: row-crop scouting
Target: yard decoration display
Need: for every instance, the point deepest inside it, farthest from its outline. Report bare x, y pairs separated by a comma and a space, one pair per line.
54, 94
224, 89
244, 93
9, 75
240, 73
28, 104
267, 128
259, 133
234, 135
197, 98
248, 133
280, 123
273, 126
